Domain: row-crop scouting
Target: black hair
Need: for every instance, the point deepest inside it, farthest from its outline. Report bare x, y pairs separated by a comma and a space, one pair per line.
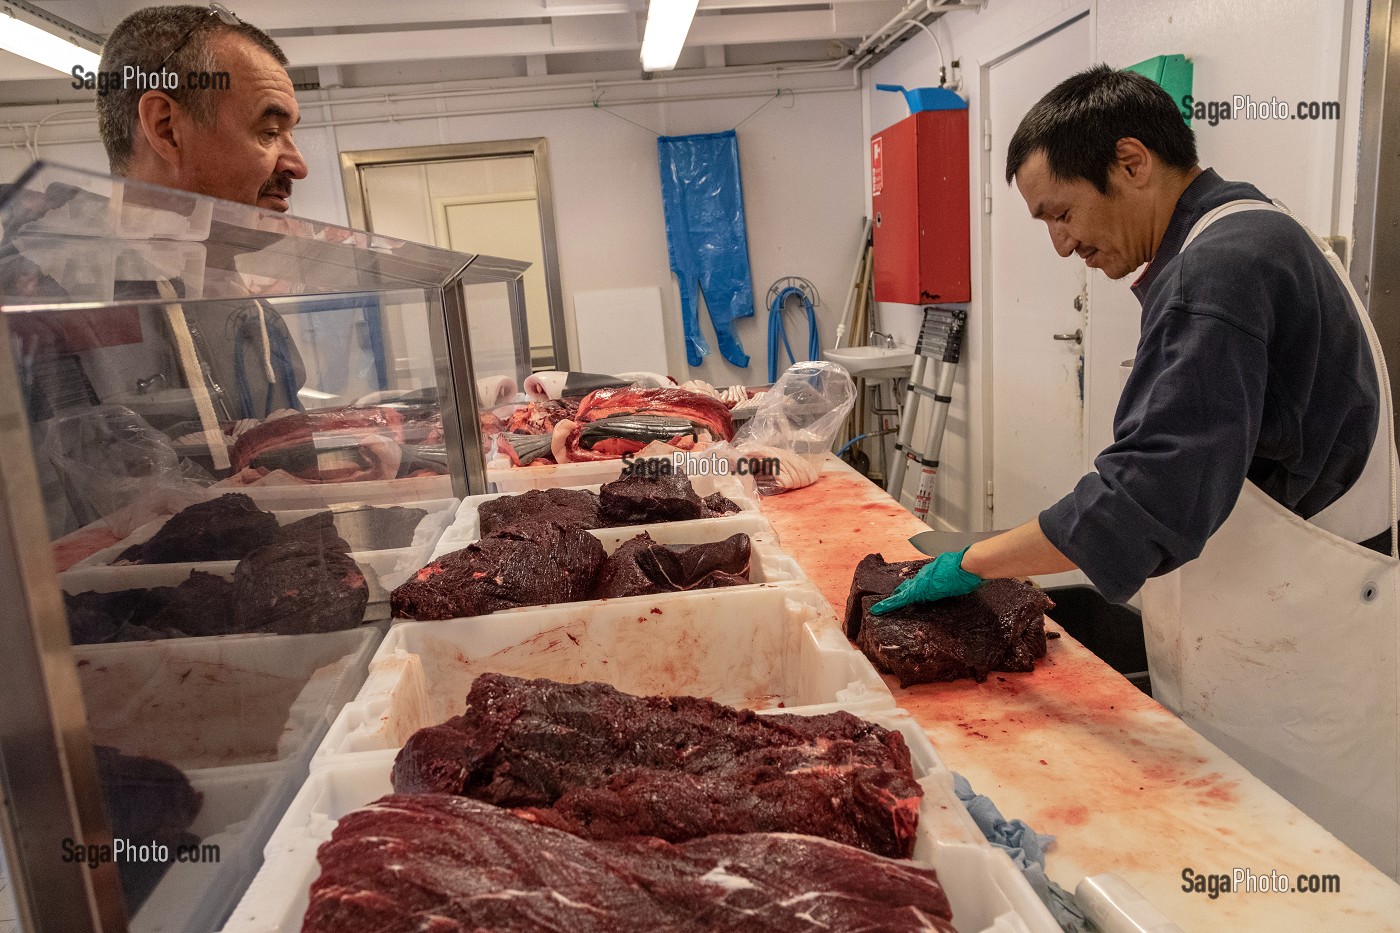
1078, 125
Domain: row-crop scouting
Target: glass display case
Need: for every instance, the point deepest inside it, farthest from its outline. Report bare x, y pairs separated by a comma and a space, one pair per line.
226, 435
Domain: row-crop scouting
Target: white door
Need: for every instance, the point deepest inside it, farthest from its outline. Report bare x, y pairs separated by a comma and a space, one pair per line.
1038, 435
505, 225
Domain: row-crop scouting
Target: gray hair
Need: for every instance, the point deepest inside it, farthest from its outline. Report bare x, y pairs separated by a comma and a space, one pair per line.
143, 40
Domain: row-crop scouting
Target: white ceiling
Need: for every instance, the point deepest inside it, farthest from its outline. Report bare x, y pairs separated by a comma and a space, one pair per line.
373, 42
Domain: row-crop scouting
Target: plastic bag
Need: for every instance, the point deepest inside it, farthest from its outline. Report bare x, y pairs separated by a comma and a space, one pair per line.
790, 434
116, 466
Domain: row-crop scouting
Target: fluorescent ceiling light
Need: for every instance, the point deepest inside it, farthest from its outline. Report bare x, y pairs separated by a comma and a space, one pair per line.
668, 21
57, 52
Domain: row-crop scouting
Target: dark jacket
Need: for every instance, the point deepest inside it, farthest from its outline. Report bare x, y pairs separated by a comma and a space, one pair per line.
1251, 365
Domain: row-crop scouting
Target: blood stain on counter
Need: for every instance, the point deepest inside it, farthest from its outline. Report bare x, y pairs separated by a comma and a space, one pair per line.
1072, 815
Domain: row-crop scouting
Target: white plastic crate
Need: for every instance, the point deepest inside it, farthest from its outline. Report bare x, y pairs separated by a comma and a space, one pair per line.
383, 569
987, 892
223, 700
761, 647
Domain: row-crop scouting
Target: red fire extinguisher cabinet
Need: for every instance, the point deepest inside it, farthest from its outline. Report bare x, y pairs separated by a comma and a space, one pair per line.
922, 226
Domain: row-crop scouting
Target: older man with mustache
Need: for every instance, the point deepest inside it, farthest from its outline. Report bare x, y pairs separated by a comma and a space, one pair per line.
231, 140
233, 143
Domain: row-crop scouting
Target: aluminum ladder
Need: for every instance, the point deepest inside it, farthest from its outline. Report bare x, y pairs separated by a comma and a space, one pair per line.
940, 343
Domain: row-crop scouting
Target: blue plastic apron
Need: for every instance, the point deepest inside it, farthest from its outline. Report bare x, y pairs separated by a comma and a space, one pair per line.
706, 237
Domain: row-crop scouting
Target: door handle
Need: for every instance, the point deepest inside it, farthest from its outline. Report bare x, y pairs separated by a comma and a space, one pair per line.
1077, 336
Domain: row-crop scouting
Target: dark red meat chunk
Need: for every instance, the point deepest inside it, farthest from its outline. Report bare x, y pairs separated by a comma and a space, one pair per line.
562, 506
147, 801
531, 565
875, 577
318, 530
605, 764
642, 498
1000, 626
374, 528
642, 567
434, 862
718, 504
301, 585
226, 528
298, 588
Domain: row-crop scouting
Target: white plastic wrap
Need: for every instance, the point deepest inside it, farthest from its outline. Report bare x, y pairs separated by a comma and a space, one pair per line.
115, 464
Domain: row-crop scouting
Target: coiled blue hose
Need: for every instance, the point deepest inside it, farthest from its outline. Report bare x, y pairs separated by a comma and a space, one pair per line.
776, 331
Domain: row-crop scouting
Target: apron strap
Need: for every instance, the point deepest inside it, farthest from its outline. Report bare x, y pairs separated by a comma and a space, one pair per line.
1387, 413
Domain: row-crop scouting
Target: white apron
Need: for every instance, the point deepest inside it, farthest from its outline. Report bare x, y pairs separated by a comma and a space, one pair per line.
1281, 642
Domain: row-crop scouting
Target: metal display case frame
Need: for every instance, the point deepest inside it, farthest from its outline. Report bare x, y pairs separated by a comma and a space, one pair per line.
48, 770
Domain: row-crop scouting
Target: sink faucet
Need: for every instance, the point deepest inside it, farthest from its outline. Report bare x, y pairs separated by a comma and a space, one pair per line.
889, 340
144, 385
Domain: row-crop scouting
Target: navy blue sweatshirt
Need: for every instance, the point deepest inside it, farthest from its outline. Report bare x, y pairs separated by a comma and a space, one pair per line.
1251, 364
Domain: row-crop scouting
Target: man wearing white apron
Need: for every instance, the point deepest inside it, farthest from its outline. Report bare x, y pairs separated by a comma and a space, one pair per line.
1250, 489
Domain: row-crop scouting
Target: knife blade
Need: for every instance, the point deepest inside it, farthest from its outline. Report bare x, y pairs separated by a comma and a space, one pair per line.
934, 543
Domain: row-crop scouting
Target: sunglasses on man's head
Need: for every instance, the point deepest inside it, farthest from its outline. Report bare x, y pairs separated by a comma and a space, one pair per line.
225, 15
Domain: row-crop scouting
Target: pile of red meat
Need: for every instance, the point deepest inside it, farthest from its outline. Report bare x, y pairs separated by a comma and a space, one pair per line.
290, 579
339, 445
608, 423
577, 807
535, 549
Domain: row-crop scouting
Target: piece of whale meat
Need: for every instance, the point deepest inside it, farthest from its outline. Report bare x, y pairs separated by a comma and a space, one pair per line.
438, 862
1000, 626
298, 588
226, 528
562, 506
642, 566
529, 565
597, 762
641, 498
150, 803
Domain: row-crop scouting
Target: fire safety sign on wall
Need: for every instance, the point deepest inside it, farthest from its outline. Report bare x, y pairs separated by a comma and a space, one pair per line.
877, 166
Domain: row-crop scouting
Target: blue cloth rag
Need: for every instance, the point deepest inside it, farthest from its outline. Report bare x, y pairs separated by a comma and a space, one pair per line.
706, 237
1026, 847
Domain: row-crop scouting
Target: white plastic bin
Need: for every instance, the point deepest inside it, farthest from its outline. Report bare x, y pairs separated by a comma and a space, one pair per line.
221, 700
763, 647
987, 892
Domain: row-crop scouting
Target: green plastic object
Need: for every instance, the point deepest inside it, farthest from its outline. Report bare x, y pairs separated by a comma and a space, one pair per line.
1173, 73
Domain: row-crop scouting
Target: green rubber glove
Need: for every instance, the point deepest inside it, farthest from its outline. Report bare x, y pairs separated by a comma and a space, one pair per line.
938, 580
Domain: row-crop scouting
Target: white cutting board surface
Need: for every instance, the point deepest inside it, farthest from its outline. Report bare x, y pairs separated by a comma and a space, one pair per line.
620, 330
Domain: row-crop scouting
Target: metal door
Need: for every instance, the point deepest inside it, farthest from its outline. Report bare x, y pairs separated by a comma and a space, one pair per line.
1037, 308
